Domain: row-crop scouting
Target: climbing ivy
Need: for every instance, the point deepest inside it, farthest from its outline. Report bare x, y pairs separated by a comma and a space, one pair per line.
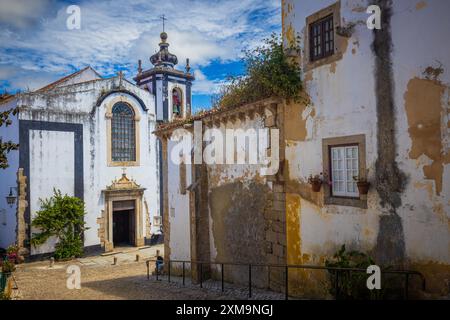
61, 216
269, 73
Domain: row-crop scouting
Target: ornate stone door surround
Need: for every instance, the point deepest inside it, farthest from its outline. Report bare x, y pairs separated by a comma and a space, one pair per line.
122, 189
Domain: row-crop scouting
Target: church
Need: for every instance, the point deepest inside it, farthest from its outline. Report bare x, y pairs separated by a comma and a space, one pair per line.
92, 137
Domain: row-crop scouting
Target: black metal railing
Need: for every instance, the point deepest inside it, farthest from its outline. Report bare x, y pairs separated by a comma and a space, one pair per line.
407, 274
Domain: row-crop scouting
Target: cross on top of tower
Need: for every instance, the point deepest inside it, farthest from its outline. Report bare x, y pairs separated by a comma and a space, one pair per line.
163, 18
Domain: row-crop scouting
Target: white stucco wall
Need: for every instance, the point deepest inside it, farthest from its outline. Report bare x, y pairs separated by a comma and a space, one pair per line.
343, 103
178, 204
425, 212
77, 104
51, 166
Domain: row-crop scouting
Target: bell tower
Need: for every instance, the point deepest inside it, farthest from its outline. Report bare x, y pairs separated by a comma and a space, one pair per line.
171, 87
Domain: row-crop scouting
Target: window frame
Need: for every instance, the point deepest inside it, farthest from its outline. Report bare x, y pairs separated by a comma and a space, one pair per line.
339, 43
345, 193
323, 42
330, 198
108, 115
128, 134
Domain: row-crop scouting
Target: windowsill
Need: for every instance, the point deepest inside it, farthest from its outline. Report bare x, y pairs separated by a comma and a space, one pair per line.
123, 164
346, 202
322, 62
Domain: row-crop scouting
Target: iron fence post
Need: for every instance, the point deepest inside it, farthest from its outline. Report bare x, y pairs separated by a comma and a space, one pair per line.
221, 269
249, 280
201, 275
406, 285
336, 285
168, 273
287, 282
183, 274
148, 269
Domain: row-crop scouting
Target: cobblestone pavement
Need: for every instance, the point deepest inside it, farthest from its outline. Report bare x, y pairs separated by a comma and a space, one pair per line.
100, 279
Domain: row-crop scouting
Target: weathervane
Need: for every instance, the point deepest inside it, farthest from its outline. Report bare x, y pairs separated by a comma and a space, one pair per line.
163, 18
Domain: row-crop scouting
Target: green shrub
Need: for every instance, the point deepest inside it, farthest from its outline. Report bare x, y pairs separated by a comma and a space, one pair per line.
352, 285
61, 216
269, 73
8, 266
68, 247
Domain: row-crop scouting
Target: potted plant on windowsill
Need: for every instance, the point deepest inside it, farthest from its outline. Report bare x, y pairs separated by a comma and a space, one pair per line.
362, 184
316, 182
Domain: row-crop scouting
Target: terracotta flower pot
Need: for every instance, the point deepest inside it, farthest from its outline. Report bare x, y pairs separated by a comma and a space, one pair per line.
316, 185
363, 187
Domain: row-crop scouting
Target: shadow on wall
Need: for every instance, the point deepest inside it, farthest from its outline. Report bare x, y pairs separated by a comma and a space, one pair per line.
238, 230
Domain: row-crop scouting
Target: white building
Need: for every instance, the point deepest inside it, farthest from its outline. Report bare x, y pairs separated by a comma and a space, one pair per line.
91, 137
374, 121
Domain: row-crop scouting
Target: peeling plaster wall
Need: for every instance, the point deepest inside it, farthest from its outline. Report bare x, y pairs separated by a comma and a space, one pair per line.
422, 79
8, 179
238, 202
342, 101
77, 104
222, 174
235, 214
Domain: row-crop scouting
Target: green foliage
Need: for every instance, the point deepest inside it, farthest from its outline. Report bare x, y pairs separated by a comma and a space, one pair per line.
7, 146
8, 266
4, 296
269, 73
352, 285
12, 249
70, 246
61, 216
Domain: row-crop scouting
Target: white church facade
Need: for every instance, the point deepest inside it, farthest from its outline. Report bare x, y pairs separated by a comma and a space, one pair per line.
92, 137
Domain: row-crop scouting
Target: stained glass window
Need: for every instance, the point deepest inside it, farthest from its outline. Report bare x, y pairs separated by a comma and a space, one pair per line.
123, 133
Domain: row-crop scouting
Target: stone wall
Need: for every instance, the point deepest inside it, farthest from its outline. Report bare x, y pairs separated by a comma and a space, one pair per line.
22, 229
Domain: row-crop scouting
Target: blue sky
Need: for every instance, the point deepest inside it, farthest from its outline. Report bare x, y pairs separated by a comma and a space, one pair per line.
36, 47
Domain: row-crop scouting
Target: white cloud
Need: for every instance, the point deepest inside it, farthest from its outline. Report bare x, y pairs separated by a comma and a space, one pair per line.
26, 79
22, 13
120, 32
204, 85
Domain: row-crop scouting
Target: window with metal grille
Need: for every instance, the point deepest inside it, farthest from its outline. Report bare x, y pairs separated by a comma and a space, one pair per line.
123, 133
344, 166
321, 38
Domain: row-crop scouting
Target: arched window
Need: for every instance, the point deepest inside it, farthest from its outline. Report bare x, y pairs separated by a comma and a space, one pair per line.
123, 133
177, 102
